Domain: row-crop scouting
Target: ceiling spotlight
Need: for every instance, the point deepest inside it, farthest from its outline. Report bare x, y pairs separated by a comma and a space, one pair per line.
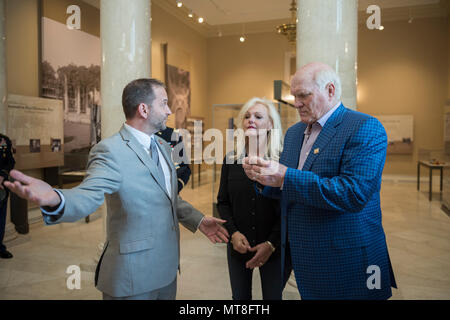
200, 20
179, 4
381, 28
242, 39
410, 20
191, 14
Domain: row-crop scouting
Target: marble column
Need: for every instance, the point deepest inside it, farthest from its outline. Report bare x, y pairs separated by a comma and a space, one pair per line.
10, 231
126, 54
125, 28
327, 31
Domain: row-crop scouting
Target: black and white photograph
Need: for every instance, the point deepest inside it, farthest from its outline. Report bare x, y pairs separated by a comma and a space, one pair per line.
56, 145
73, 76
35, 145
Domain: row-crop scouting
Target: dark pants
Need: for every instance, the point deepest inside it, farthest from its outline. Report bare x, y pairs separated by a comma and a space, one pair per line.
3, 205
241, 278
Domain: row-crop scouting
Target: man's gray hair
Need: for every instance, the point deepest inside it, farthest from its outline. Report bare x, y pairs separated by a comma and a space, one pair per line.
324, 77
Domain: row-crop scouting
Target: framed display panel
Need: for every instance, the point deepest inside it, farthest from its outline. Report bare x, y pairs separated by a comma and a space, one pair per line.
36, 130
399, 129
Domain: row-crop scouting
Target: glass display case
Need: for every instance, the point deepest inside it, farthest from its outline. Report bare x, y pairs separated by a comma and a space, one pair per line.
224, 117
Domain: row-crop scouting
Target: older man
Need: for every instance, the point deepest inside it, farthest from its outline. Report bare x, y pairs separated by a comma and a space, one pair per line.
329, 180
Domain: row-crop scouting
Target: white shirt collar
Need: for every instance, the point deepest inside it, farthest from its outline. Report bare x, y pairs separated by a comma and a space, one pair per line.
143, 138
322, 121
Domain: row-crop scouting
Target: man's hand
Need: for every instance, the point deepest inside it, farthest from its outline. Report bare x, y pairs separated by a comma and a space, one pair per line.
267, 172
32, 189
263, 253
240, 242
211, 227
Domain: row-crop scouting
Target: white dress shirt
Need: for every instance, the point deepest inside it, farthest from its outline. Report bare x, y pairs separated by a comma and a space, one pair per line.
145, 140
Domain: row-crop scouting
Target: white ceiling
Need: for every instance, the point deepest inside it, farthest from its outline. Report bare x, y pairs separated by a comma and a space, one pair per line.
220, 12
223, 12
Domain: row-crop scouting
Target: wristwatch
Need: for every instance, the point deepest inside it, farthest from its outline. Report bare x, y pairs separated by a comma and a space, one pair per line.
271, 245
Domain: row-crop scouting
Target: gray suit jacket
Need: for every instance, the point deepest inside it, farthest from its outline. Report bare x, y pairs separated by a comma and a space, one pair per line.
142, 249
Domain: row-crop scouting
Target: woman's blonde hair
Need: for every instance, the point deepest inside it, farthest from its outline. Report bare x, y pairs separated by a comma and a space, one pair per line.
275, 135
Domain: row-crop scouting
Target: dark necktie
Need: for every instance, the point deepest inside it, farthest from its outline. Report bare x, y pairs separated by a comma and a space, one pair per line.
155, 157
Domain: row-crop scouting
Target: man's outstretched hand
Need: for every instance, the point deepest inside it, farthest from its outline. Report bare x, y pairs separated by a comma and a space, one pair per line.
211, 227
32, 189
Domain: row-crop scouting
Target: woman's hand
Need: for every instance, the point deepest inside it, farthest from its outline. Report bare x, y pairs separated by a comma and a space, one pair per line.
240, 242
263, 253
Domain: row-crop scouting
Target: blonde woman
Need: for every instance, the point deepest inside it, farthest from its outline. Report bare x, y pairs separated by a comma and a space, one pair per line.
253, 221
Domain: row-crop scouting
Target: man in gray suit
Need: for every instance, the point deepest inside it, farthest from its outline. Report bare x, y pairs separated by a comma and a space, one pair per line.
134, 171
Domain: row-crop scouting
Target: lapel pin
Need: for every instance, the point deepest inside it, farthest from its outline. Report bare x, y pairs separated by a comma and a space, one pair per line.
316, 151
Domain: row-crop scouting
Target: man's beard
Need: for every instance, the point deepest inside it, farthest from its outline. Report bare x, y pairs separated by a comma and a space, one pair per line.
161, 125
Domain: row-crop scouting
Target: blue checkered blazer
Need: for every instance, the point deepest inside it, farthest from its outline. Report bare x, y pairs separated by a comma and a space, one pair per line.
331, 209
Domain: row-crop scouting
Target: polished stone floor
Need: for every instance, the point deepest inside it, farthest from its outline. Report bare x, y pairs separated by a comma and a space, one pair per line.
418, 236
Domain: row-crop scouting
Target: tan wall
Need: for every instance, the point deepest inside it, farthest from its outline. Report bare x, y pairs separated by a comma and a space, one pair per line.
187, 51
22, 47
239, 71
403, 70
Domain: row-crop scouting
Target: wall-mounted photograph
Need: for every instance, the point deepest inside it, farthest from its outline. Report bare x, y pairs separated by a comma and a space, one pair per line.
35, 145
72, 74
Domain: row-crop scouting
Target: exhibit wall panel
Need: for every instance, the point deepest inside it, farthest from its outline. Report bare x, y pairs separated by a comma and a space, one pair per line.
403, 70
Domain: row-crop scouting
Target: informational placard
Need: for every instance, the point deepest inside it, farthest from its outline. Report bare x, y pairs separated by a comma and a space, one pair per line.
400, 130
35, 126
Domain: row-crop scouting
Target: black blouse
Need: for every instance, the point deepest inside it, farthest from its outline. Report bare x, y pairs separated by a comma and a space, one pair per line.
246, 211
